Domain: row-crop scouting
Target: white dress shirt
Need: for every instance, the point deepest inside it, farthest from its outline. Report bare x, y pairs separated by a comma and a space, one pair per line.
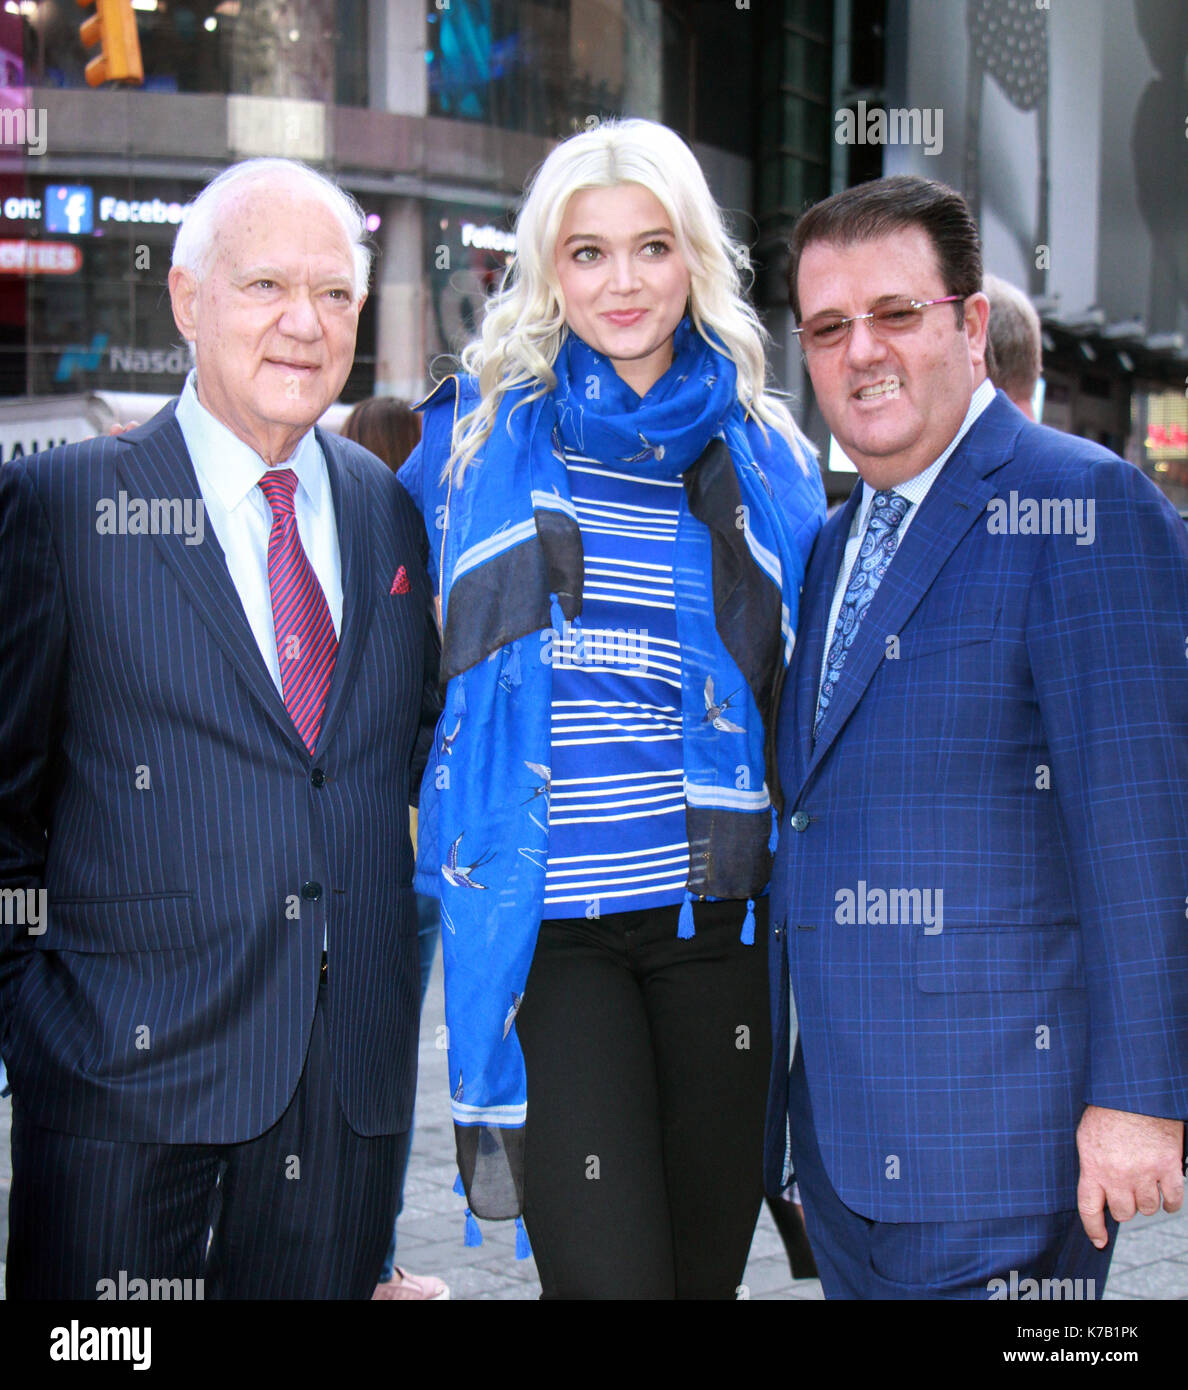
915, 490
228, 473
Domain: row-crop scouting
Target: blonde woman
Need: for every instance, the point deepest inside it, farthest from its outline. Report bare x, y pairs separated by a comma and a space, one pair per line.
620, 516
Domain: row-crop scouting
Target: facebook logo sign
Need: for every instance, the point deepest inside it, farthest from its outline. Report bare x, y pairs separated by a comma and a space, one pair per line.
69, 208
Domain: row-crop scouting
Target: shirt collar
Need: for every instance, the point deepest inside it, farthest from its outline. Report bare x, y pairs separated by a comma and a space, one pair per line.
916, 489
231, 468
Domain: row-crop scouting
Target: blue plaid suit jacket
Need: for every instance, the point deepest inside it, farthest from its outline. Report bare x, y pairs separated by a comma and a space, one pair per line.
1010, 732
192, 852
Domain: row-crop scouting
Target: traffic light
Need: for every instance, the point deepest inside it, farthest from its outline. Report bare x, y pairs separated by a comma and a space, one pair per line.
113, 26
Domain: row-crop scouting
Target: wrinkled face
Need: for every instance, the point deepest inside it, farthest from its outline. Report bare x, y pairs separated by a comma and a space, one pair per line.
273, 319
893, 403
624, 282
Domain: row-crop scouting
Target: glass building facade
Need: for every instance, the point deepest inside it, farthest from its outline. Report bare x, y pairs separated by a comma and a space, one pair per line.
432, 112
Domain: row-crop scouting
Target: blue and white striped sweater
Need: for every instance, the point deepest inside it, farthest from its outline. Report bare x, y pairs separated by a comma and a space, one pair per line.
617, 837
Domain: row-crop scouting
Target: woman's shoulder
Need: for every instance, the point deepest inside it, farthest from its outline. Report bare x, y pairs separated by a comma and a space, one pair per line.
792, 462
456, 390
449, 400
793, 477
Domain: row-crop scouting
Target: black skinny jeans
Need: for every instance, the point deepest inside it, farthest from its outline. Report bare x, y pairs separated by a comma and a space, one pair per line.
647, 1060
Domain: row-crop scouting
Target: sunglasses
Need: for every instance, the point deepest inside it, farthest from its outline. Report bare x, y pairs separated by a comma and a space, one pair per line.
887, 321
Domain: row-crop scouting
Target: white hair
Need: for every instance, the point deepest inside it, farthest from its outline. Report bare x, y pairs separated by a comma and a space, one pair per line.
524, 324
194, 245
1015, 337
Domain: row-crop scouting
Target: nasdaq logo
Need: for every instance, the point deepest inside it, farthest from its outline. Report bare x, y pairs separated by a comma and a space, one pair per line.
81, 359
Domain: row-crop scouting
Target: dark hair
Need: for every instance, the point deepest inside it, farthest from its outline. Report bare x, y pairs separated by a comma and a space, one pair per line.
390, 428
885, 206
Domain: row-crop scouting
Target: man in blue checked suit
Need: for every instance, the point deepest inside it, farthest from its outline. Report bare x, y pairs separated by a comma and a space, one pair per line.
979, 893
218, 658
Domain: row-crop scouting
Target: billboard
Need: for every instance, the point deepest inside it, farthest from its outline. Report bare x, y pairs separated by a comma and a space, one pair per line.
1064, 124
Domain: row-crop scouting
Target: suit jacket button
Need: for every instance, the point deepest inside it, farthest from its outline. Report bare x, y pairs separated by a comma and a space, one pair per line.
311, 891
318, 777
799, 820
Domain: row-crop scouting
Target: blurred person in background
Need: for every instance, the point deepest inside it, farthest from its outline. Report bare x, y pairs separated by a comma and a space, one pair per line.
1016, 350
619, 515
391, 430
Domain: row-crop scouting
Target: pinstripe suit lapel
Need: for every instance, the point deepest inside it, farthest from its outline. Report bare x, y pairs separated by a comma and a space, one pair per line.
154, 463
359, 593
955, 503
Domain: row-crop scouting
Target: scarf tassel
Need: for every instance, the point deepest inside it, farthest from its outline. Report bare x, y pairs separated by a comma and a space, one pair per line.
685, 920
556, 617
459, 697
473, 1235
773, 839
579, 641
748, 928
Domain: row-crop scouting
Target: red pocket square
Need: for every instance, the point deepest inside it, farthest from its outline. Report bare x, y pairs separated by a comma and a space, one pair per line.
400, 584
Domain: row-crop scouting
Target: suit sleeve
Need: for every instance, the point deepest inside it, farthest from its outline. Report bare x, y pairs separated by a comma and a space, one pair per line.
431, 694
1107, 629
33, 647
419, 475
432, 701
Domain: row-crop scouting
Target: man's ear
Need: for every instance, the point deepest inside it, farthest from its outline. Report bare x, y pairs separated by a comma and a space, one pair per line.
183, 295
977, 319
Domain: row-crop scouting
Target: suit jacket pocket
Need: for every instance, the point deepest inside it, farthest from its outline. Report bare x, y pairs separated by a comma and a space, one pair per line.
946, 632
132, 922
964, 960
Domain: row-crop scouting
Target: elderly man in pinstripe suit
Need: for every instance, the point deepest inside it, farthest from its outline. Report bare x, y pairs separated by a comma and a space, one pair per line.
218, 660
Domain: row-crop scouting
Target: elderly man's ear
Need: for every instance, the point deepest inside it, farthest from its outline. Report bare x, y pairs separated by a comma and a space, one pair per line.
183, 290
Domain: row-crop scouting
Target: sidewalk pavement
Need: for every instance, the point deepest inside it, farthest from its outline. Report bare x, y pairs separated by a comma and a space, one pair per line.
1151, 1261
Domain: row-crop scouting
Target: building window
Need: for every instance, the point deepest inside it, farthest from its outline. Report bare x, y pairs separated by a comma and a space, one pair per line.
310, 50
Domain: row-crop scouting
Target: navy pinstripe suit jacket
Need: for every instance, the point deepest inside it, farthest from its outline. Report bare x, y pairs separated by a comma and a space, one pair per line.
1010, 730
192, 852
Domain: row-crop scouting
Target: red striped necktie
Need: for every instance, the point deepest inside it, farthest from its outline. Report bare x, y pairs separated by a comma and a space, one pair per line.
305, 642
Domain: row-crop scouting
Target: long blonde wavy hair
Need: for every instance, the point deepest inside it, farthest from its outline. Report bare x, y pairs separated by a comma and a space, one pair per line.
524, 324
